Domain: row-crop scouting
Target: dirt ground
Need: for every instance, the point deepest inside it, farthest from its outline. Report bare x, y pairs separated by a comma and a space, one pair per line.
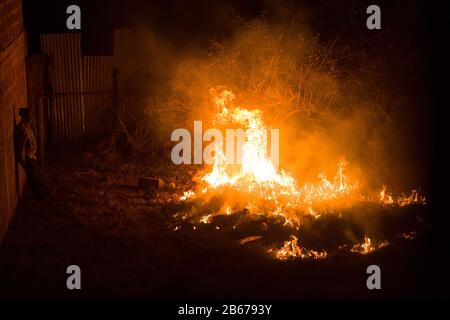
125, 242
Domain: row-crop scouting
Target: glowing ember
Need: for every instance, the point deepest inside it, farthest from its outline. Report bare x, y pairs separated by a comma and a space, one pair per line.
313, 213
367, 246
187, 195
403, 200
206, 219
290, 249
409, 235
413, 198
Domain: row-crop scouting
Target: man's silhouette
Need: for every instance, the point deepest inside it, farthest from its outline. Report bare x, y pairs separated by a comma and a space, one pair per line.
25, 148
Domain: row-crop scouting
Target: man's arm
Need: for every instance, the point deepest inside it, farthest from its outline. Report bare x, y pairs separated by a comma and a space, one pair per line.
20, 145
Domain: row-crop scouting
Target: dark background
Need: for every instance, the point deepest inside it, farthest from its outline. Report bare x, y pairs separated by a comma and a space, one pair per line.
404, 23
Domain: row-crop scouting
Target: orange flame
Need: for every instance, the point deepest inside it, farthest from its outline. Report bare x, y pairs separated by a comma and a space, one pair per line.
290, 249
367, 246
257, 177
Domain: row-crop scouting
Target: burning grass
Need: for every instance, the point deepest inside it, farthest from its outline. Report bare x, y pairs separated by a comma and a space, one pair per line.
98, 191
150, 244
282, 218
255, 187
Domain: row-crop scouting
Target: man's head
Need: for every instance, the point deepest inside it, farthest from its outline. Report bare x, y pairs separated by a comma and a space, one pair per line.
25, 114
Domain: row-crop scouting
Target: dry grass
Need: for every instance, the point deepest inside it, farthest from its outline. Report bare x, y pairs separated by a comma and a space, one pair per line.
124, 241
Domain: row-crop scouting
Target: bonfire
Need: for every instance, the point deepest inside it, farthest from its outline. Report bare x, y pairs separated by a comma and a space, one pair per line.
255, 186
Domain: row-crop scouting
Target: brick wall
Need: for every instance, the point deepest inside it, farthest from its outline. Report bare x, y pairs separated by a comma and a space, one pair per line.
11, 22
13, 95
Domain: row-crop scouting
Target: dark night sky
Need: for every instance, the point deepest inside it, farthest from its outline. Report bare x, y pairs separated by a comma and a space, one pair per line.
199, 20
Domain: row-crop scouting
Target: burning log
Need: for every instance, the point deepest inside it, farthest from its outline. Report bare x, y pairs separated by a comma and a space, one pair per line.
249, 239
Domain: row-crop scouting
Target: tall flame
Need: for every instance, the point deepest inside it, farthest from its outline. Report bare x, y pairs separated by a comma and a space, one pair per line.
257, 175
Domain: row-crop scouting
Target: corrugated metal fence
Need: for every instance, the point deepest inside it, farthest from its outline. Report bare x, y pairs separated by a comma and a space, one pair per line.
82, 98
